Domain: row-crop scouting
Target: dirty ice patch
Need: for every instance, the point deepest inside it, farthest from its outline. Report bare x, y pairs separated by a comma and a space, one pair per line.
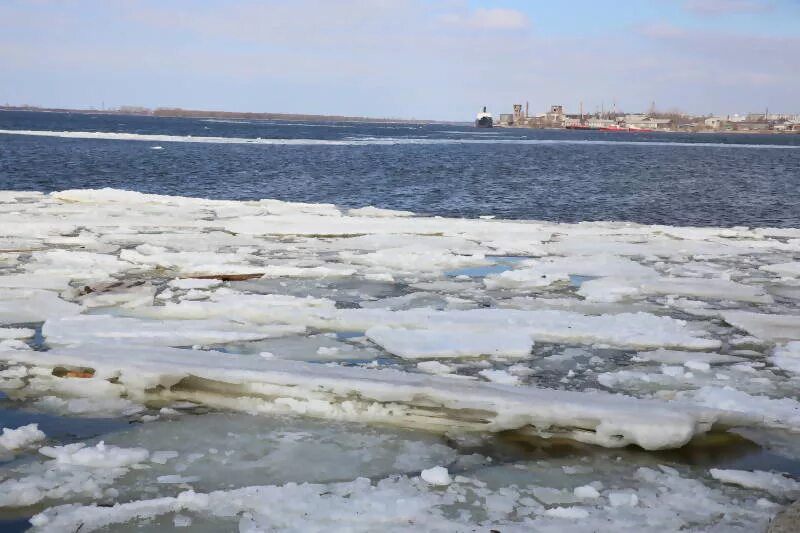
443, 343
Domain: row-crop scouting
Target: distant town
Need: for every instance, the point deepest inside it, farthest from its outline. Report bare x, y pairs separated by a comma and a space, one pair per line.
557, 118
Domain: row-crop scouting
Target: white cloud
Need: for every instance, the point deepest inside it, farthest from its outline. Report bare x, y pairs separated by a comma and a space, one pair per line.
402, 58
726, 7
489, 19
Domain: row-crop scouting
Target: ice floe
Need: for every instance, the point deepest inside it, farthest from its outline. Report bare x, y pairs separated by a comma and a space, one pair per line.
13, 439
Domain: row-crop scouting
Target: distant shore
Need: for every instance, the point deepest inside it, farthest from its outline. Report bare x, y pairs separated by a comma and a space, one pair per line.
176, 112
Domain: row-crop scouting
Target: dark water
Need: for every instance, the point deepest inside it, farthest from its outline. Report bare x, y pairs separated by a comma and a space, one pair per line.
681, 179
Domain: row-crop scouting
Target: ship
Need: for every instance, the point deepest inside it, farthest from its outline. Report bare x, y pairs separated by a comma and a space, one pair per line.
484, 119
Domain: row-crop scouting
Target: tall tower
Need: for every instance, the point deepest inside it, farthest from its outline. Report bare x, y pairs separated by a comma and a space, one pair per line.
517, 113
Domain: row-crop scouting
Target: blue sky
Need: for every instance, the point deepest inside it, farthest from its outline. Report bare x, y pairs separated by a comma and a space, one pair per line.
402, 58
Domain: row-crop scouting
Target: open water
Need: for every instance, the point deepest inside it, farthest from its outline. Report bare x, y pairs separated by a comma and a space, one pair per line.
567, 176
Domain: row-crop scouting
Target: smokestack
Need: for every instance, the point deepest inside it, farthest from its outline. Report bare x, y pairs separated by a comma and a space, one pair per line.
526, 109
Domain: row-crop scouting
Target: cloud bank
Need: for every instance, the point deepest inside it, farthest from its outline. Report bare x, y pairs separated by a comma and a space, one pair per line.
403, 58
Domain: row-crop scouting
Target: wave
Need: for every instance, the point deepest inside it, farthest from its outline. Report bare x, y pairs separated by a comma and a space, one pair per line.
366, 141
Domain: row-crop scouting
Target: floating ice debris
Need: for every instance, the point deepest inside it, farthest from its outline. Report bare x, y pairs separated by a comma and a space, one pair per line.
17, 333
787, 357
370, 211
33, 305
772, 327
434, 367
786, 270
75, 470
615, 289
194, 283
500, 376
21, 437
673, 357
426, 343
586, 492
99, 456
96, 328
400, 503
776, 484
438, 476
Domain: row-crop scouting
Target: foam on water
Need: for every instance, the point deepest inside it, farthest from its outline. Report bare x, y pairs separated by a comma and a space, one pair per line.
367, 141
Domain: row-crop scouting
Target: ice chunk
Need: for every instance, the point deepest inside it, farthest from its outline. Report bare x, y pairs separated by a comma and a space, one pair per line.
21, 437
676, 357
586, 492
776, 484
434, 367
17, 333
500, 376
433, 343
545, 271
438, 475
31, 305
370, 211
99, 456
616, 289
77, 265
620, 499
777, 412
274, 385
787, 357
194, 283
574, 513
96, 328
768, 327
786, 270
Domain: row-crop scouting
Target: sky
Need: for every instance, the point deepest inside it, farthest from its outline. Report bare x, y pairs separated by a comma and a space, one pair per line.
425, 59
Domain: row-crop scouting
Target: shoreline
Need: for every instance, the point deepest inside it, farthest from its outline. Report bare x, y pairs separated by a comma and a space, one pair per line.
227, 115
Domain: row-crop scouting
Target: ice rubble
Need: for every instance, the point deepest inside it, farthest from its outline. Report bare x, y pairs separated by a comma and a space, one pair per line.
704, 320
662, 499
